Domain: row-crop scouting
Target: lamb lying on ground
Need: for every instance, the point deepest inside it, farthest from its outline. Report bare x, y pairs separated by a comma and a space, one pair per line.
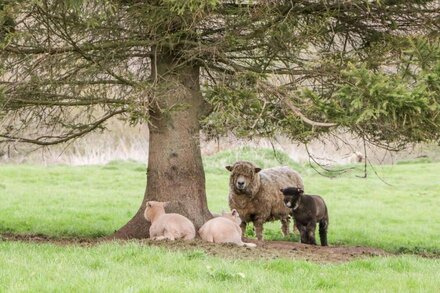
167, 226
307, 210
256, 195
224, 229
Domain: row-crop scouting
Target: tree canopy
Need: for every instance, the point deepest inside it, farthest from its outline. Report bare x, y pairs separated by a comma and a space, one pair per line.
253, 68
301, 68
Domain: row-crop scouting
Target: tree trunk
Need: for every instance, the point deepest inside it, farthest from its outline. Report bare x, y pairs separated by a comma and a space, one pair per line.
175, 170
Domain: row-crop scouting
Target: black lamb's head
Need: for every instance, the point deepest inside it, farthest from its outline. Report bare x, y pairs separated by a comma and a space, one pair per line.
292, 196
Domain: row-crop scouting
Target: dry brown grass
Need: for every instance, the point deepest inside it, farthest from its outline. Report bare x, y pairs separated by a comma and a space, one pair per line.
124, 142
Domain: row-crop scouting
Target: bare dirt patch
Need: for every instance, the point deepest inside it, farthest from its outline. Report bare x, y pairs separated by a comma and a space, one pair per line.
274, 250
41, 238
264, 249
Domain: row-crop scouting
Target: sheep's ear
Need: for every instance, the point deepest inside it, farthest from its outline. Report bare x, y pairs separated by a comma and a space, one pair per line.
229, 168
234, 213
148, 204
257, 170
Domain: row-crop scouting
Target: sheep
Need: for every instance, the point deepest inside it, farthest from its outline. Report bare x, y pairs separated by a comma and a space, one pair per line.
224, 229
256, 195
167, 226
307, 210
356, 157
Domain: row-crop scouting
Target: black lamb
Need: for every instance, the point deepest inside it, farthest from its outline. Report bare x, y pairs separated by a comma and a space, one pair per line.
307, 210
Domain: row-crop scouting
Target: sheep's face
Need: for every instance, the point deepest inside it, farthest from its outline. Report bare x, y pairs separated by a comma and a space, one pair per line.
242, 176
233, 215
153, 208
242, 181
292, 196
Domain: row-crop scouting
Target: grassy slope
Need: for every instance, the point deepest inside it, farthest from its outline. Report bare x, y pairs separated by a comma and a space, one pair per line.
135, 268
94, 200
71, 201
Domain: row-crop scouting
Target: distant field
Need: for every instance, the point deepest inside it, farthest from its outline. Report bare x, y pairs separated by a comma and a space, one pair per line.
93, 201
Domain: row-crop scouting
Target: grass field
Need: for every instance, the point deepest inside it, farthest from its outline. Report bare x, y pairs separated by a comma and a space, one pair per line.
135, 268
93, 201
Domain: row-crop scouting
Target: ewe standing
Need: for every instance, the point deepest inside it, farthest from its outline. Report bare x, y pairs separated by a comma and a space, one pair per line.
167, 226
256, 194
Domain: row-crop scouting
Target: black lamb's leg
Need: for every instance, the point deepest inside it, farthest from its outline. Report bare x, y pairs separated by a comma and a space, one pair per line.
311, 227
295, 227
323, 227
303, 231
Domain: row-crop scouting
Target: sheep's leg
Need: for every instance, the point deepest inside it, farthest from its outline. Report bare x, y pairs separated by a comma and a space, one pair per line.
285, 226
323, 227
243, 228
166, 235
311, 227
159, 238
303, 231
295, 227
169, 236
258, 224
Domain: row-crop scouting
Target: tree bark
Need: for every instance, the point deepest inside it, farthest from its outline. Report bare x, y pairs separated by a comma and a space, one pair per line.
175, 170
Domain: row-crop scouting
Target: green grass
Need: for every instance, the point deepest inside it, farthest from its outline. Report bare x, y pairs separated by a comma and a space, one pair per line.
135, 268
93, 201
403, 215
69, 201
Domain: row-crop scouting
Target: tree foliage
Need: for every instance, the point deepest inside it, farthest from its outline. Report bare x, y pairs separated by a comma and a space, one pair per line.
302, 68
